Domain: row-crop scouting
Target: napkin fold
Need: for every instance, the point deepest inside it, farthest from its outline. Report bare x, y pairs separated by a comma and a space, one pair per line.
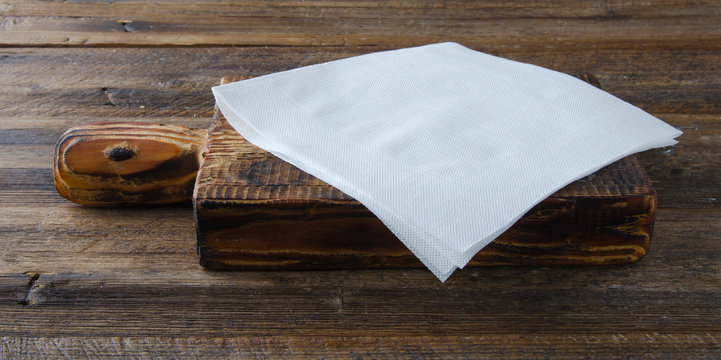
446, 145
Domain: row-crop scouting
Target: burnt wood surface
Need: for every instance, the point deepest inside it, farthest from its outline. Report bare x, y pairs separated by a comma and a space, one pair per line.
78, 282
125, 163
254, 211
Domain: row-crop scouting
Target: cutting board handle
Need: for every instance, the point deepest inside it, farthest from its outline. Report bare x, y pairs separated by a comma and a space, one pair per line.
105, 164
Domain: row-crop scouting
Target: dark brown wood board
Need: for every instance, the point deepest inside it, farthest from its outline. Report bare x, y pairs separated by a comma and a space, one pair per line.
256, 211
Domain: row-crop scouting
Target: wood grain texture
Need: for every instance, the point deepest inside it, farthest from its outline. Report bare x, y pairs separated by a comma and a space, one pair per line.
29, 142
446, 347
106, 164
256, 211
573, 311
114, 283
493, 24
146, 284
119, 82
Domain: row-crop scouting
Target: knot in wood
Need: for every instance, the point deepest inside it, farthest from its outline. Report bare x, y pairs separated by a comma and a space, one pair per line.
121, 152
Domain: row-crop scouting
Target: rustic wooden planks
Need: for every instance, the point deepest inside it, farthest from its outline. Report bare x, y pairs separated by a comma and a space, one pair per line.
119, 82
494, 24
101, 300
633, 344
123, 283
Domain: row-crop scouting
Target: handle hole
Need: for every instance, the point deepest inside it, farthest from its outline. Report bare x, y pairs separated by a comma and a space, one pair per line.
121, 152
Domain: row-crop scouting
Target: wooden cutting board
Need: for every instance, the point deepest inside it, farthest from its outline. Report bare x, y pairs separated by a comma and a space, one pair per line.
255, 211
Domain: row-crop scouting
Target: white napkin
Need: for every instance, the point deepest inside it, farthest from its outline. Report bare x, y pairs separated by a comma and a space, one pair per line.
446, 145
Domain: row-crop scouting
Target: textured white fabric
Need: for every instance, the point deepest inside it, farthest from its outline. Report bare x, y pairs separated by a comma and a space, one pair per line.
446, 145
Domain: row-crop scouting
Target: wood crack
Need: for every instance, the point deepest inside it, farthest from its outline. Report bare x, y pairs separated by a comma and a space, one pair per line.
33, 285
125, 25
108, 95
339, 300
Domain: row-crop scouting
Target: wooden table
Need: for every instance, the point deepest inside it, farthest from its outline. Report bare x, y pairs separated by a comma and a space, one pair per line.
79, 282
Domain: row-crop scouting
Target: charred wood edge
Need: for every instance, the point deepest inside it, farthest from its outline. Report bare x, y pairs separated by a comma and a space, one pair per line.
633, 232
169, 180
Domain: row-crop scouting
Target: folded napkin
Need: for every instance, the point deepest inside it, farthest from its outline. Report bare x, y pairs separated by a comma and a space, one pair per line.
446, 145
